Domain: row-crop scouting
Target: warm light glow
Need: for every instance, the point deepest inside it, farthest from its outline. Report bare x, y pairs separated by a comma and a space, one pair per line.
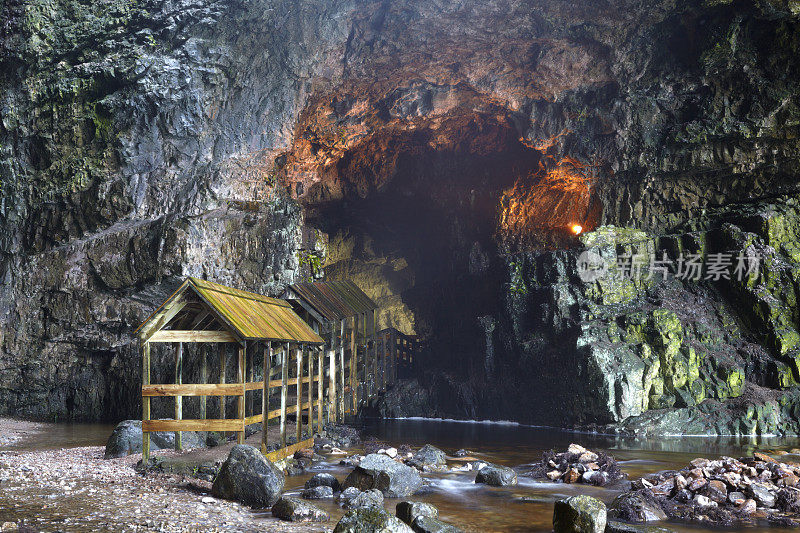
577, 229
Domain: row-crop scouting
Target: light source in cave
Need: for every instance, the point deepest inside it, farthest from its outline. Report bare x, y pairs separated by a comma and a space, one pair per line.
549, 201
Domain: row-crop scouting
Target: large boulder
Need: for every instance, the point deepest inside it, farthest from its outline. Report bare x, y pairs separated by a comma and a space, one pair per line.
297, 510
579, 514
377, 471
428, 455
249, 477
496, 475
127, 439
370, 520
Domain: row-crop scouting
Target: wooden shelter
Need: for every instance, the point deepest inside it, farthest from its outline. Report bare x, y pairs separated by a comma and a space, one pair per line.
345, 316
200, 311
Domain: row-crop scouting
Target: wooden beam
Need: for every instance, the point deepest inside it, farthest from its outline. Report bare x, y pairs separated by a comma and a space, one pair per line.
240, 400
145, 403
286, 451
254, 419
284, 392
192, 425
192, 389
179, 399
167, 335
299, 426
166, 314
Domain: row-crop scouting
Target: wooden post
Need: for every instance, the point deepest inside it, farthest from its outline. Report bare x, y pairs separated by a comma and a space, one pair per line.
203, 380
320, 363
299, 393
374, 355
240, 404
310, 390
265, 397
284, 392
145, 403
179, 399
365, 388
353, 359
223, 361
332, 387
250, 363
340, 383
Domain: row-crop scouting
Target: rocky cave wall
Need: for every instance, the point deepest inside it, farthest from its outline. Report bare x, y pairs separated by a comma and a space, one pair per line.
437, 153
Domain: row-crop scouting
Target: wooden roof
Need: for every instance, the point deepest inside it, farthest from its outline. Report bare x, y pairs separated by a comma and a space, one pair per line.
332, 300
247, 315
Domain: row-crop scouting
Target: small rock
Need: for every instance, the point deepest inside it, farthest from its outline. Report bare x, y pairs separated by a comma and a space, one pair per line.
429, 524
737, 498
761, 494
497, 476
716, 491
352, 498
408, 511
748, 507
391, 452
428, 456
576, 449
571, 476
554, 475
9, 526
324, 479
319, 492
638, 506
579, 514
296, 510
370, 520
461, 453
704, 501
208, 499
764, 457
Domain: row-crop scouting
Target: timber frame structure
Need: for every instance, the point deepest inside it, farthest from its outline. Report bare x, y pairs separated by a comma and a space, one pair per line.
200, 311
346, 317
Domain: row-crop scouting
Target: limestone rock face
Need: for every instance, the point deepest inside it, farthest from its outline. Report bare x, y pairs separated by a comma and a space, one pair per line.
143, 143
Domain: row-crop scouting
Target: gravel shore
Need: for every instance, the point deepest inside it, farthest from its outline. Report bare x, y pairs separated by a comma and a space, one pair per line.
12, 431
76, 490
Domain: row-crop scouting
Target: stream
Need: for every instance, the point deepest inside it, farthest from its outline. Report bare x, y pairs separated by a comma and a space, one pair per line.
525, 507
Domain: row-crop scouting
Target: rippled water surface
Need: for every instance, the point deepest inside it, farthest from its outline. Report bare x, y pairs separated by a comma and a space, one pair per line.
525, 507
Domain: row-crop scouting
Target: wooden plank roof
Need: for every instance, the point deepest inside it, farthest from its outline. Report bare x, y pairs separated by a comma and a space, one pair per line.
249, 316
334, 300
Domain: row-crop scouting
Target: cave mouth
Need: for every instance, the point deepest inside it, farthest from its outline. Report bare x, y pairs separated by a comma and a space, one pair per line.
425, 219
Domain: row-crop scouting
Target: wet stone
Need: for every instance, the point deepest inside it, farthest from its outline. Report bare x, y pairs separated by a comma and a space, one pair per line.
296, 510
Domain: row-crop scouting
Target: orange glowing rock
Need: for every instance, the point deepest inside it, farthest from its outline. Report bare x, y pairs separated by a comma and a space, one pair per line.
577, 229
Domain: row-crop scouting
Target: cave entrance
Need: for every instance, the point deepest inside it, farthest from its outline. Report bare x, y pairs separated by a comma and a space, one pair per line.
420, 235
